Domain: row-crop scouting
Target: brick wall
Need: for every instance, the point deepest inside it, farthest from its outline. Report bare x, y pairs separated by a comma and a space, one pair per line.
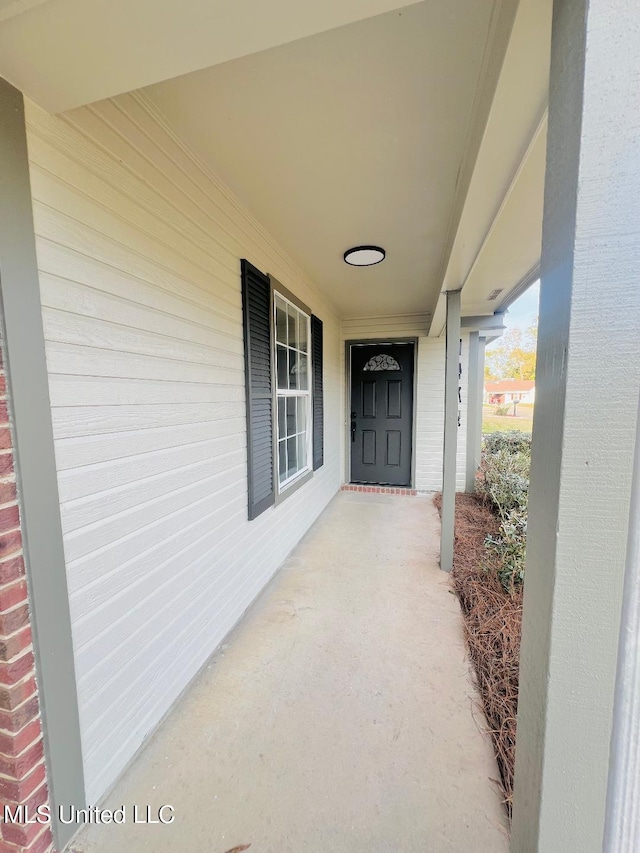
22, 768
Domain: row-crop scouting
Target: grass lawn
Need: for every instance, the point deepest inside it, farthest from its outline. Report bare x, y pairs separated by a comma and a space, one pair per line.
496, 423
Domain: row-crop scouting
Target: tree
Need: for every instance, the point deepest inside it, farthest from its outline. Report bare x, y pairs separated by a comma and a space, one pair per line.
514, 357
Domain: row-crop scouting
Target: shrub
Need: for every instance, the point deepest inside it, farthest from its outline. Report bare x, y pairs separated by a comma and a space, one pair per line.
507, 550
503, 479
503, 410
513, 440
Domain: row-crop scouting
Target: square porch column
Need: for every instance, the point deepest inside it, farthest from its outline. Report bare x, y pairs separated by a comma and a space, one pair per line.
588, 379
30, 528
451, 409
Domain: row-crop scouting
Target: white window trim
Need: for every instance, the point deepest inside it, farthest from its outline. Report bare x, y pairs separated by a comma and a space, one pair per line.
287, 485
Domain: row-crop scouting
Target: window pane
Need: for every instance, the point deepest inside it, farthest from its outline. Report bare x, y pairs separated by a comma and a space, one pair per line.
291, 416
302, 372
293, 369
302, 333
302, 414
292, 316
302, 451
281, 321
282, 460
282, 425
292, 456
282, 368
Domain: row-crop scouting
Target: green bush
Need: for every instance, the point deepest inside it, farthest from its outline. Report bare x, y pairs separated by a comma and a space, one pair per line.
503, 479
512, 440
507, 550
503, 410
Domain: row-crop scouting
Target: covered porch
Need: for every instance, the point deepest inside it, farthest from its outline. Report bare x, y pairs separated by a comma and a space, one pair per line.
339, 715
150, 157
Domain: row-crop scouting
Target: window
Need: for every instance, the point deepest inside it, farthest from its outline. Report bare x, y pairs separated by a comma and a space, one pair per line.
292, 334
382, 362
283, 345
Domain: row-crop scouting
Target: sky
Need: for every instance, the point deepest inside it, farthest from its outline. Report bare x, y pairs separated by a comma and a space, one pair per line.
523, 312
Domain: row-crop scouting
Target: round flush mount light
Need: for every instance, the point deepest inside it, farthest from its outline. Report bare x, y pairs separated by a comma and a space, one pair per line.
364, 256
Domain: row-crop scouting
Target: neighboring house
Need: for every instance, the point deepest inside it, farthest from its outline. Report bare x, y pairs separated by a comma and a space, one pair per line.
193, 371
505, 391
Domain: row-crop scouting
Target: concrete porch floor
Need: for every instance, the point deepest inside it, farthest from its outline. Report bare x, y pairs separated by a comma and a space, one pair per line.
337, 717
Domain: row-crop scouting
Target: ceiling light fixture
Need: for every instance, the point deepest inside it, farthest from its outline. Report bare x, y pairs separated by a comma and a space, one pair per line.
364, 256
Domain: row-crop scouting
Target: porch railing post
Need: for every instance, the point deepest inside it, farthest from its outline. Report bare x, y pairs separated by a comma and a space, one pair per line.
451, 409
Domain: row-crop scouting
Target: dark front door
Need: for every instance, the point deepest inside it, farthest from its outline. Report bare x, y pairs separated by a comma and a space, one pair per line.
381, 414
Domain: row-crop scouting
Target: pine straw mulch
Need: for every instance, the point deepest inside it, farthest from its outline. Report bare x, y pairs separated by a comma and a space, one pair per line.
492, 621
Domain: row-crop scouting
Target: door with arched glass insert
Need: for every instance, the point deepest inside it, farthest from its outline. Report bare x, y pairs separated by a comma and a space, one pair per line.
381, 413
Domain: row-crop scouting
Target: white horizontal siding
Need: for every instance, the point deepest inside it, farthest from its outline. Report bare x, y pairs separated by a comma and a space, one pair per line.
461, 477
397, 326
430, 414
139, 252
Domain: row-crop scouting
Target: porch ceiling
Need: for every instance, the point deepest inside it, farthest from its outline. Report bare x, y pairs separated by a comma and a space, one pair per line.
419, 127
66, 53
354, 136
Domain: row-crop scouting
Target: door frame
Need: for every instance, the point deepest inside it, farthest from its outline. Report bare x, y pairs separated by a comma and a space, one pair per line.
378, 341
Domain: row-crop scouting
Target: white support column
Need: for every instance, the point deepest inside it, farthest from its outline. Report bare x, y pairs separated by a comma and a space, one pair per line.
622, 832
474, 408
451, 409
587, 385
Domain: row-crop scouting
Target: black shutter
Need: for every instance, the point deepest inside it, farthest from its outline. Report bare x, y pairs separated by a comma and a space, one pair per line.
256, 307
317, 392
